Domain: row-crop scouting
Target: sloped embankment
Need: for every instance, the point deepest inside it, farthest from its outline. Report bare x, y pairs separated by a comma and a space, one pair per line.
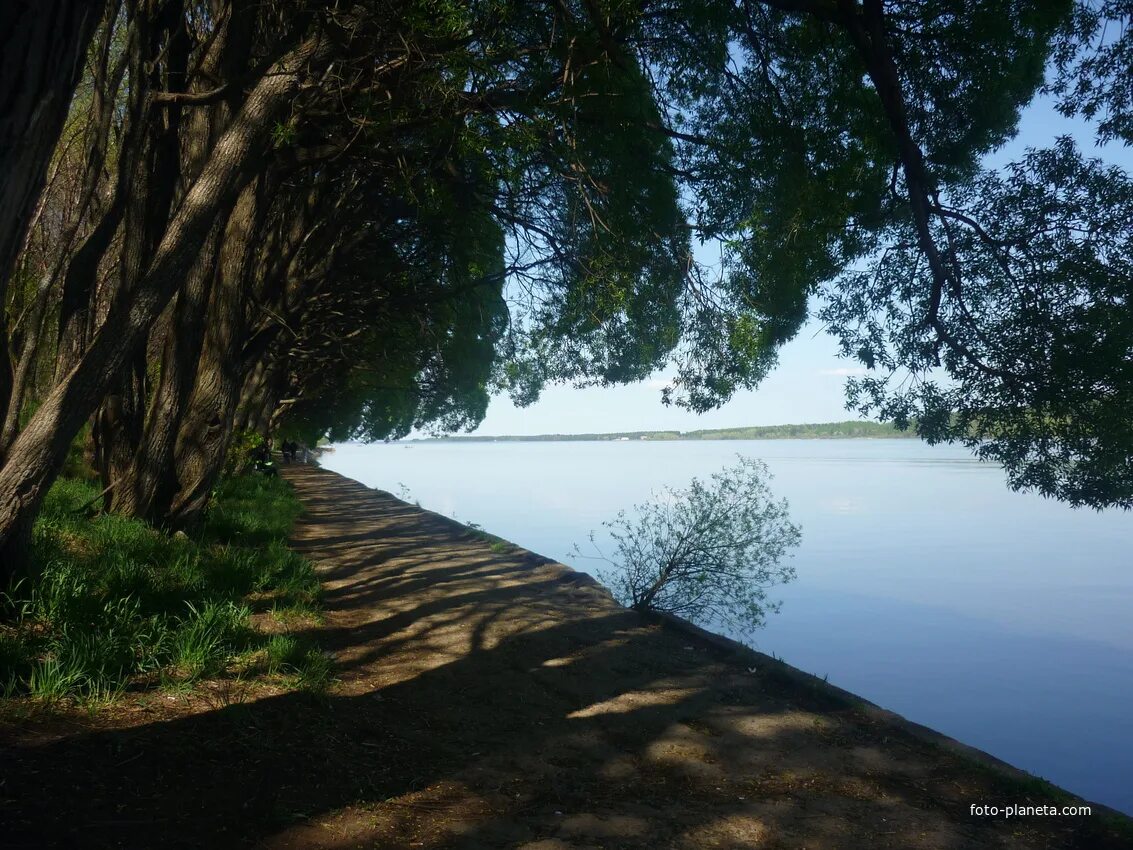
521, 706
489, 698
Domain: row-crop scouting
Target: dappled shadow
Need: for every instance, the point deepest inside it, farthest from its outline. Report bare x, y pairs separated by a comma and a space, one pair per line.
496, 700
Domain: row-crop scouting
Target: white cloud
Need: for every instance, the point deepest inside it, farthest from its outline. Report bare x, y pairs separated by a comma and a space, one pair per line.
657, 383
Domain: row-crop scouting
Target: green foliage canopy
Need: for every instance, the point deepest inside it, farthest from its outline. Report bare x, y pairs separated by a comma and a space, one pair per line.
566, 159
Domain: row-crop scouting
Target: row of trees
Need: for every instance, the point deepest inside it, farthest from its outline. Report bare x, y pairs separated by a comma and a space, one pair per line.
358, 217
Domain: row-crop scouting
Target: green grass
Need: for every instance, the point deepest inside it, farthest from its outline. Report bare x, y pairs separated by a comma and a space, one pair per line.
203, 641
253, 509
304, 665
282, 652
313, 673
113, 603
294, 614
499, 546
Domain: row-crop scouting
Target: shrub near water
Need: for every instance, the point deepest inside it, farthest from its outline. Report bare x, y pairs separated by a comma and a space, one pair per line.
709, 553
115, 601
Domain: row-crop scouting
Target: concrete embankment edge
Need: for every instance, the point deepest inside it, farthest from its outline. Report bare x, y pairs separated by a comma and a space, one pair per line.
734, 652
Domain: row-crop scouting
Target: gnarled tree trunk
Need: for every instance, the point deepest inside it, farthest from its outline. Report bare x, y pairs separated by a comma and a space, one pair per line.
42, 47
39, 451
207, 426
120, 423
25, 364
152, 480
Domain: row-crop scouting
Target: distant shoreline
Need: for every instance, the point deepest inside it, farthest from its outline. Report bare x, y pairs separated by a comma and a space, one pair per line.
849, 430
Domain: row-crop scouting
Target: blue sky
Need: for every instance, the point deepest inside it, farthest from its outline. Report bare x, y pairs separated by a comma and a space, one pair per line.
807, 385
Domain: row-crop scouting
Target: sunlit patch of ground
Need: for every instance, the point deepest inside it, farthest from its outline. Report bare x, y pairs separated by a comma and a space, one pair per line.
488, 699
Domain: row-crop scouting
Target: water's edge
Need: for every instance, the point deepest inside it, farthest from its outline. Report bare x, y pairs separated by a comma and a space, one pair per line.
733, 652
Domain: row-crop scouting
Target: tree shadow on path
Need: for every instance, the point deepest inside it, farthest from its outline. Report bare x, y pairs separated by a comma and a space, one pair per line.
498, 700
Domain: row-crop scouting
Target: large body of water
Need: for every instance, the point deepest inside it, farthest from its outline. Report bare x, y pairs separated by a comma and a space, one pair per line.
924, 584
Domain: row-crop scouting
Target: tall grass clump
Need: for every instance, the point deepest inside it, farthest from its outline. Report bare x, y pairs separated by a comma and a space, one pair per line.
112, 603
304, 665
252, 509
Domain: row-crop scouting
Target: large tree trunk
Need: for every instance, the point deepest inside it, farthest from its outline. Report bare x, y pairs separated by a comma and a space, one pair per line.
42, 46
207, 427
105, 82
146, 484
262, 377
148, 488
78, 288
120, 422
25, 364
39, 451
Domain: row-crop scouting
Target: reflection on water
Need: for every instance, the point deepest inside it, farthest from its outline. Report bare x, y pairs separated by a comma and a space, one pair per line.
924, 584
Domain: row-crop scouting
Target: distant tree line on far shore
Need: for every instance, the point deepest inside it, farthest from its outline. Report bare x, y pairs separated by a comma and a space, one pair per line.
809, 431
360, 220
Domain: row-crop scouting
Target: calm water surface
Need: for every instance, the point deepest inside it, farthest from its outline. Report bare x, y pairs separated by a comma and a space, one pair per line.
924, 585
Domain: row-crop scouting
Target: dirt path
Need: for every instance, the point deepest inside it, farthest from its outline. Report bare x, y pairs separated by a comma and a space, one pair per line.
490, 699
525, 708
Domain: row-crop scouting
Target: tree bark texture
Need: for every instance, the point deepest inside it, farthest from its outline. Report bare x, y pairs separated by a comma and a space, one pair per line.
120, 423
42, 47
148, 488
39, 451
207, 425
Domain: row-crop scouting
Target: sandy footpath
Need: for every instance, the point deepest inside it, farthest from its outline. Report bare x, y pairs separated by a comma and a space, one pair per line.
487, 698
532, 711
